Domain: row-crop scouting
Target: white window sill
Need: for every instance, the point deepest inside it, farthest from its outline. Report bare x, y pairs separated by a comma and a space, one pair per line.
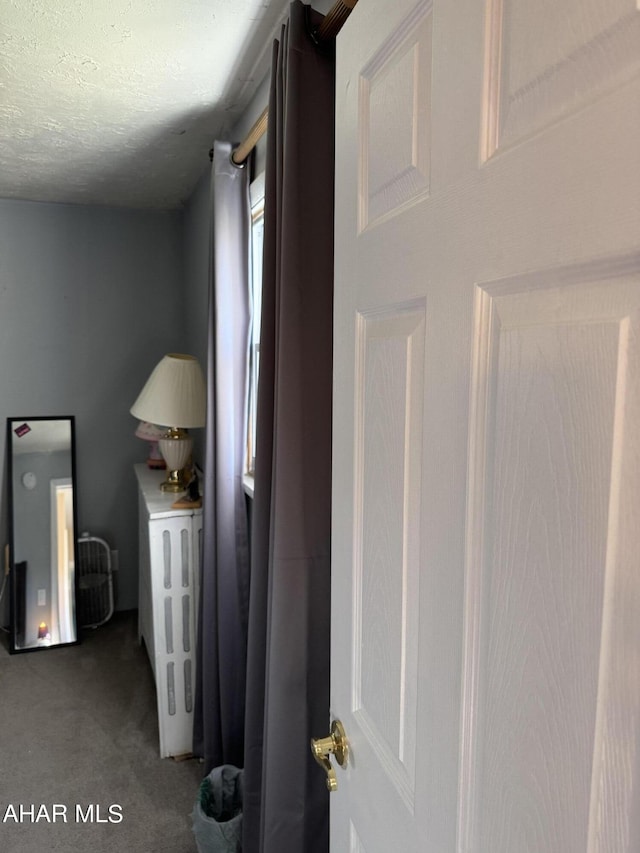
247, 484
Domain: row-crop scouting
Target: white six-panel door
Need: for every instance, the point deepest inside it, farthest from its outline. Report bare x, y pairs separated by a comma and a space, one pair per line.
486, 538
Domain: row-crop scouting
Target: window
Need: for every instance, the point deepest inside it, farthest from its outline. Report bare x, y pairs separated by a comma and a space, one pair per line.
255, 275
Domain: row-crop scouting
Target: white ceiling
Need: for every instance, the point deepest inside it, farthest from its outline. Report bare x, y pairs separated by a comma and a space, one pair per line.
46, 436
117, 102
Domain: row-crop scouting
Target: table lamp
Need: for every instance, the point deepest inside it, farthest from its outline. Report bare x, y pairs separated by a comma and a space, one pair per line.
174, 397
152, 435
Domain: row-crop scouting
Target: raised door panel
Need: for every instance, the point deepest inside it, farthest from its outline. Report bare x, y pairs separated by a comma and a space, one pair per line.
553, 595
532, 81
395, 118
388, 442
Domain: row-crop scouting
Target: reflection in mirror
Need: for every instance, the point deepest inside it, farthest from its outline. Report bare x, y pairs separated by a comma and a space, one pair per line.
42, 504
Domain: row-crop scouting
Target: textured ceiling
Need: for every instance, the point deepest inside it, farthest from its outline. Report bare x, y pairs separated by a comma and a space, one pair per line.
117, 102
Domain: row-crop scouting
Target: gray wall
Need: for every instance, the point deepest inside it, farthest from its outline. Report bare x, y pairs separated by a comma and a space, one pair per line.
90, 300
195, 236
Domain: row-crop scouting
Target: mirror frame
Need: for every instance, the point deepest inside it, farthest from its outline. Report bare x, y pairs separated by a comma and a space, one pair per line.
11, 424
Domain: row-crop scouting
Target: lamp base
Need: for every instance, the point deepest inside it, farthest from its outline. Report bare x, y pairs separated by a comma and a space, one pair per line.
175, 481
176, 449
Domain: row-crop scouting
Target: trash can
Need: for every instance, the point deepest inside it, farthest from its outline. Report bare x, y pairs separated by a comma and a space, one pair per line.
217, 813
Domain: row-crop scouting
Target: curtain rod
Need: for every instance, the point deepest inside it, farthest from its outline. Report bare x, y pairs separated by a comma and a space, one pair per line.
328, 29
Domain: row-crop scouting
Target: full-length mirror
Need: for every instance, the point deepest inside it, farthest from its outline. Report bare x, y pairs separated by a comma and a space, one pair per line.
42, 505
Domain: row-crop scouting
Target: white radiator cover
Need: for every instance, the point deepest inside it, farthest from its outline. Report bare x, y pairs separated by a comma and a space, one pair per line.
168, 587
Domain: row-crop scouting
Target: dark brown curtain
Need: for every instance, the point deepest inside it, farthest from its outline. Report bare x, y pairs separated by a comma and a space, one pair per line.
224, 585
285, 798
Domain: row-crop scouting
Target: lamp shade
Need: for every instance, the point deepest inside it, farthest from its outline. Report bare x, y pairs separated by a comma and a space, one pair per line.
174, 395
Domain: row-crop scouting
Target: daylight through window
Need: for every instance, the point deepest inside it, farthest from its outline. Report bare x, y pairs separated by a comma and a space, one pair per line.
257, 240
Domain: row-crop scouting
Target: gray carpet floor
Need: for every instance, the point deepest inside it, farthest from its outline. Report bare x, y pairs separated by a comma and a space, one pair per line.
78, 728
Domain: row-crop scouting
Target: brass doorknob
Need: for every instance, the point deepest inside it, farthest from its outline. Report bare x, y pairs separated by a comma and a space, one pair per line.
336, 744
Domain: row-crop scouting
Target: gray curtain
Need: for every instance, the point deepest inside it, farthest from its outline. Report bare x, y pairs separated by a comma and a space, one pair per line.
224, 585
285, 798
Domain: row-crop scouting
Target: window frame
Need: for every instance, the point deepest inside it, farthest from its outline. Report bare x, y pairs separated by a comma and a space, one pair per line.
256, 243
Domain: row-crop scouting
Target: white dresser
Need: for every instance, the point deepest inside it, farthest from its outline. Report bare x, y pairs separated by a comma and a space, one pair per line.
169, 541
